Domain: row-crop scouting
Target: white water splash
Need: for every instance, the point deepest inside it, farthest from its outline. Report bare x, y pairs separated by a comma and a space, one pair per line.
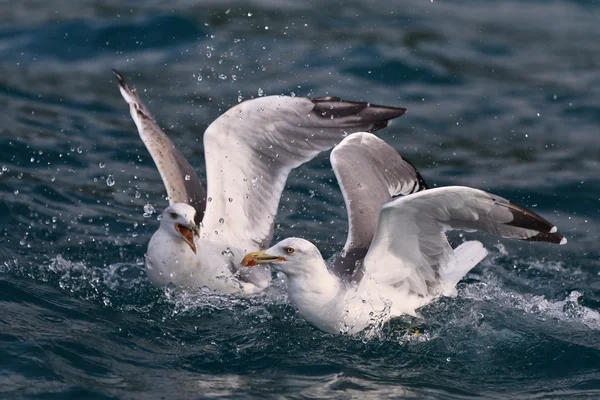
568, 310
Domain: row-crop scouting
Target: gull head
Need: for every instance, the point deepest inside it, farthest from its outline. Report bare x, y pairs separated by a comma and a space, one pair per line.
292, 256
178, 220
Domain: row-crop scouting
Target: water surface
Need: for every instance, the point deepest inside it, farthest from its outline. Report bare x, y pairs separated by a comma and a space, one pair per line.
502, 96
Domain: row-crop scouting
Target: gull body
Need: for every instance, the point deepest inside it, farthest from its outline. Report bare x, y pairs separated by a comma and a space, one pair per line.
404, 260
335, 305
170, 259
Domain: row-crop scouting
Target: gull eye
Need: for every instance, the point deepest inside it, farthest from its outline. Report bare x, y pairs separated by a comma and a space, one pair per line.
289, 250
173, 215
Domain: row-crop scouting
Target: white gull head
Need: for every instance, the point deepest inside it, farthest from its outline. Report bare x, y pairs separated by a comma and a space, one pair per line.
292, 256
172, 249
316, 293
178, 221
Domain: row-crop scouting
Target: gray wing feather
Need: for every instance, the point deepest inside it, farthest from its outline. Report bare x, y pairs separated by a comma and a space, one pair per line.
410, 247
251, 149
370, 172
180, 180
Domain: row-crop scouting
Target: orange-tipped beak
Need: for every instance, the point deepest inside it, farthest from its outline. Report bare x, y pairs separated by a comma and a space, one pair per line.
188, 235
260, 257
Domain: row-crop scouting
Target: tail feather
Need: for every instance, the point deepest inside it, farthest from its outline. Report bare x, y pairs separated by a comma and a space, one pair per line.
466, 257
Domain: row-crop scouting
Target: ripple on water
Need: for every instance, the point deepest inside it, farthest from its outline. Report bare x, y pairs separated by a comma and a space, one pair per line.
500, 95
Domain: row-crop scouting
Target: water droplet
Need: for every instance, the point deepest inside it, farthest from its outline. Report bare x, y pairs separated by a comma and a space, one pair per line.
200, 77
110, 181
137, 194
260, 92
230, 200
52, 178
240, 98
187, 177
221, 221
222, 76
79, 150
227, 252
209, 199
148, 210
16, 191
208, 54
249, 14
254, 180
101, 165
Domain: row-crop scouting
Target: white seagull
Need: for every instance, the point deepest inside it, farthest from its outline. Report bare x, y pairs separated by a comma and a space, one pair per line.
249, 152
409, 261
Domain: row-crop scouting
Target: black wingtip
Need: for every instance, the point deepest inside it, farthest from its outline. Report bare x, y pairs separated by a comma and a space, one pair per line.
555, 238
119, 77
420, 183
325, 98
527, 219
375, 115
393, 112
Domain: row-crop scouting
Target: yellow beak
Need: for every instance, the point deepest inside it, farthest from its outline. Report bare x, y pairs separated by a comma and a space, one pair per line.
260, 257
188, 234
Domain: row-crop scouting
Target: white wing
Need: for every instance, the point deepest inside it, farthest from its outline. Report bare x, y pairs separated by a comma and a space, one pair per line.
180, 180
251, 149
369, 172
410, 249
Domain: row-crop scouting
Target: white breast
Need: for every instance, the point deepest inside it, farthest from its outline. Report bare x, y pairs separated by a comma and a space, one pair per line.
169, 260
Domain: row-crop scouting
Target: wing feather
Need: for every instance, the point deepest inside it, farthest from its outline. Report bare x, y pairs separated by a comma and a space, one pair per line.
252, 147
180, 180
410, 248
370, 172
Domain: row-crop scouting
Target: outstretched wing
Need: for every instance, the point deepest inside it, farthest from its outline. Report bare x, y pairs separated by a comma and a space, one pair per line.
180, 180
251, 149
369, 172
410, 249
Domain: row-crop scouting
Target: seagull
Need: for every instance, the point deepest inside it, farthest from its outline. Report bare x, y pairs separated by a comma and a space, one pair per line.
249, 153
409, 262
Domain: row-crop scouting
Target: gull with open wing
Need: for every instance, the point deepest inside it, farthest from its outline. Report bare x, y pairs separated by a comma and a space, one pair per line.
400, 256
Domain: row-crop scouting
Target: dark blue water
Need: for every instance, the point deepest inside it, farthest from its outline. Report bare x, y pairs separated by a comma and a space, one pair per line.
501, 96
